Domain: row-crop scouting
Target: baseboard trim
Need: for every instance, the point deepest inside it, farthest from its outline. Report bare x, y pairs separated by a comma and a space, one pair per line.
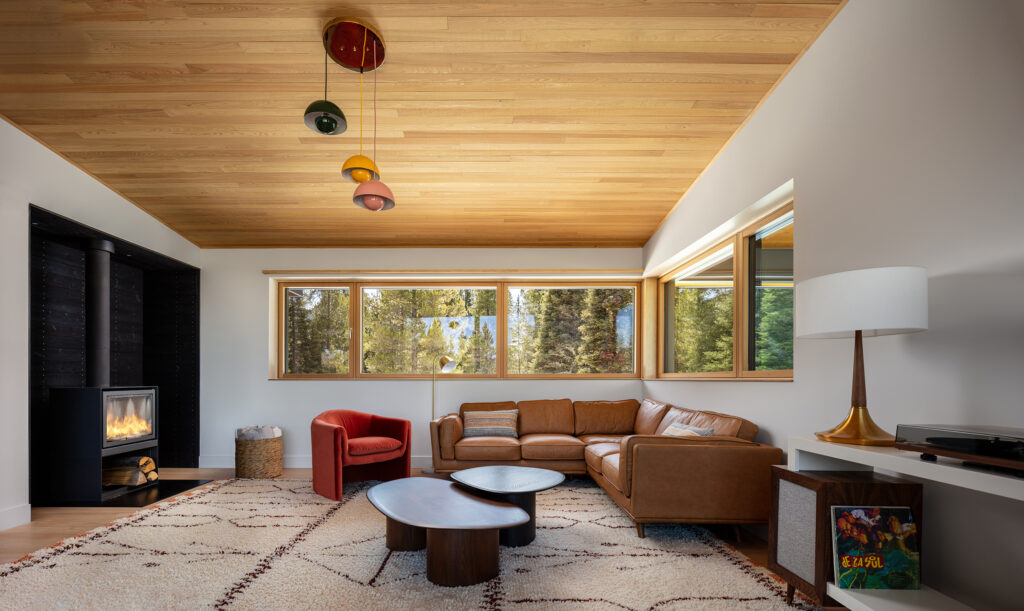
15, 516
291, 461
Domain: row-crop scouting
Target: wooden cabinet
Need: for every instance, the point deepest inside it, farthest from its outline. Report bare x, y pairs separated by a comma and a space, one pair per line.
800, 528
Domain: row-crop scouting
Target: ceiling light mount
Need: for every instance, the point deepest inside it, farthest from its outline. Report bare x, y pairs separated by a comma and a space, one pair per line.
353, 44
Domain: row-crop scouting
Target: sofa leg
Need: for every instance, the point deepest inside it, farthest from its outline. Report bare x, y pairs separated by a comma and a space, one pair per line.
736, 533
640, 530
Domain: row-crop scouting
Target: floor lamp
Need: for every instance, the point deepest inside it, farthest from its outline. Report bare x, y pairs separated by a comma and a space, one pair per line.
862, 303
447, 365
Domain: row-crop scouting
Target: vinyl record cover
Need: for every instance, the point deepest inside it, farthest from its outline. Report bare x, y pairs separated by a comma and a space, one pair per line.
876, 548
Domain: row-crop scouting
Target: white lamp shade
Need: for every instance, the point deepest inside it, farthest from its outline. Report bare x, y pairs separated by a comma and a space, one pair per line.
877, 301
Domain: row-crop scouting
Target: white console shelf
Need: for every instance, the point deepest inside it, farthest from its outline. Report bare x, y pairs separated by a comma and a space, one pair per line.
811, 454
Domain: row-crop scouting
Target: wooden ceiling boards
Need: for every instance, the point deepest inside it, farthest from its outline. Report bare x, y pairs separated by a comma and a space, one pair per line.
530, 123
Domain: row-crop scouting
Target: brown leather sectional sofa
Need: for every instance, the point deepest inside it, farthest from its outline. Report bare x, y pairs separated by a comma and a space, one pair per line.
722, 479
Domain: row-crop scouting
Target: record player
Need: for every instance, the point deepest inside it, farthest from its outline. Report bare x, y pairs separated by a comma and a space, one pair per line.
997, 447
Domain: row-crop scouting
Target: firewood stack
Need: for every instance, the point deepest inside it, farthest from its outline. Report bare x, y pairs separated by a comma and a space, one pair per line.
130, 471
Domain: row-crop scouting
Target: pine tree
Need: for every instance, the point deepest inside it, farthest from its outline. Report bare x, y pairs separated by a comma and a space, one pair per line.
558, 331
599, 350
773, 312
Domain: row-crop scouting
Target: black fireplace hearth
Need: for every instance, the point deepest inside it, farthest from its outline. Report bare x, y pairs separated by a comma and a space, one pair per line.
114, 326
93, 430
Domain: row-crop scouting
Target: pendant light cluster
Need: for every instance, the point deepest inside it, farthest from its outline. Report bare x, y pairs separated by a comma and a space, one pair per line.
358, 47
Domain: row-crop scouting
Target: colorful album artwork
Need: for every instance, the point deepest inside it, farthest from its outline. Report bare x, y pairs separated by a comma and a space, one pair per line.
876, 548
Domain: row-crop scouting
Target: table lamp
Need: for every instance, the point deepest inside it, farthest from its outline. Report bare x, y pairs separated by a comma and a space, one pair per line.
862, 303
447, 365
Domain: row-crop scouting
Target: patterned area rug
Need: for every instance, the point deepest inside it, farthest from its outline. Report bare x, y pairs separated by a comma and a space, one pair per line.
276, 544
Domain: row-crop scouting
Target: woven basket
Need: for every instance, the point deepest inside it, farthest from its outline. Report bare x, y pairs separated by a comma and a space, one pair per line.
259, 458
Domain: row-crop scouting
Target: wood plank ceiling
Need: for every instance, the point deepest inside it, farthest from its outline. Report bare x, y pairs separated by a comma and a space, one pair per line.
499, 123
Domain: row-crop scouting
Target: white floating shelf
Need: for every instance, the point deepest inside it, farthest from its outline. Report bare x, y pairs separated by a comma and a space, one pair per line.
894, 600
807, 453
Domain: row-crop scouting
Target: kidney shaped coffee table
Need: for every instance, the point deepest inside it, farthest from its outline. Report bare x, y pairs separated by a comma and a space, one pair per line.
516, 485
459, 529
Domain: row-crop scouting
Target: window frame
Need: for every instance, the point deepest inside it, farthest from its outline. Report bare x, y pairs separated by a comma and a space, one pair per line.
741, 333
637, 335
282, 291
358, 332
356, 327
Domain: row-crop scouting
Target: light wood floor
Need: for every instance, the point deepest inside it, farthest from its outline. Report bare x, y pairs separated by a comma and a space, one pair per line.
51, 525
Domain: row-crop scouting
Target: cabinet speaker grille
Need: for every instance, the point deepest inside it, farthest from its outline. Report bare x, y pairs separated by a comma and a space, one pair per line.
796, 524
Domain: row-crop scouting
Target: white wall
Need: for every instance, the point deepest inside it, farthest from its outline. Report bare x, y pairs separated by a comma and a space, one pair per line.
235, 391
903, 130
30, 173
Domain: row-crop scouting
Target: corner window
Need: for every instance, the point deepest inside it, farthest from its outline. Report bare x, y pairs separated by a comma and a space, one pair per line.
728, 313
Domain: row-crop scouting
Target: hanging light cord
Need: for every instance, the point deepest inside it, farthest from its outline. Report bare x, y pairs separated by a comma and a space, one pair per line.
325, 74
375, 105
362, 62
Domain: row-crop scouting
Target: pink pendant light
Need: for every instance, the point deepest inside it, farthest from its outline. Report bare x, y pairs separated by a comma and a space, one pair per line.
374, 196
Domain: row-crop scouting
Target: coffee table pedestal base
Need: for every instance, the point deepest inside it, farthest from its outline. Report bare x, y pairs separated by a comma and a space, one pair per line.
404, 538
458, 557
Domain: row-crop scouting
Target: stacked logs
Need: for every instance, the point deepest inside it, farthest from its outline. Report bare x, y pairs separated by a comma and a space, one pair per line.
130, 471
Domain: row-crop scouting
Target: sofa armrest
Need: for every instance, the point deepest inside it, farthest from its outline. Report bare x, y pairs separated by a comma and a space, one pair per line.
700, 477
444, 432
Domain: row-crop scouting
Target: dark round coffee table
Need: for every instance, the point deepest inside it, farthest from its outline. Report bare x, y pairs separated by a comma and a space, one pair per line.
458, 528
516, 485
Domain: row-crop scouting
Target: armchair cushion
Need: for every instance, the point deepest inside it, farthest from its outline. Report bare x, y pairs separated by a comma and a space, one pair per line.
361, 446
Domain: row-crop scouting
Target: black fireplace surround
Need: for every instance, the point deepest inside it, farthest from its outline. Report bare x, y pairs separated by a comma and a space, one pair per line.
108, 318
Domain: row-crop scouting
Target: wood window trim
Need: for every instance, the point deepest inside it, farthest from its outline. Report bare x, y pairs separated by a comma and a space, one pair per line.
741, 309
281, 288
355, 328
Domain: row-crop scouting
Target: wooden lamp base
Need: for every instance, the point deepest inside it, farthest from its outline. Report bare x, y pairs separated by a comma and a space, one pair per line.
858, 428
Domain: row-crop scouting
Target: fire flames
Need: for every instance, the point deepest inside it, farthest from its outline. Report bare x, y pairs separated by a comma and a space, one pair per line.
127, 427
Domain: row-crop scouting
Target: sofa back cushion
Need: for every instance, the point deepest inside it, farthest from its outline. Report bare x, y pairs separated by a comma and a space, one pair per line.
672, 415
605, 417
545, 416
724, 425
485, 407
648, 416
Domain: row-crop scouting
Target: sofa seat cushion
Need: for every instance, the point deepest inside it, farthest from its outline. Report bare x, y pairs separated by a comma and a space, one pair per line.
605, 417
597, 451
589, 439
361, 446
487, 448
610, 470
543, 446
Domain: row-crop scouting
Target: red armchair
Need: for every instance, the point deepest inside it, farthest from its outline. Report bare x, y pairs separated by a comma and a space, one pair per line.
360, 447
